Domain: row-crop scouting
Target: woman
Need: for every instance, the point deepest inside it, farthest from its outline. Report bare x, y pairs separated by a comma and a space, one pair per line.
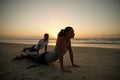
62, 45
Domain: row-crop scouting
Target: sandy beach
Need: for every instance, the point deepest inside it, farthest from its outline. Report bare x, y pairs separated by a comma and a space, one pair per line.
96, 64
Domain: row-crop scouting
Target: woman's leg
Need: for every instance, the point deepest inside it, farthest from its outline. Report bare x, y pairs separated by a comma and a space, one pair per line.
19, 57
41, 58
32, 57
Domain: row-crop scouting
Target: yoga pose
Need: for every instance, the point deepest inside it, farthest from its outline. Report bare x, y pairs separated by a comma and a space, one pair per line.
63, 45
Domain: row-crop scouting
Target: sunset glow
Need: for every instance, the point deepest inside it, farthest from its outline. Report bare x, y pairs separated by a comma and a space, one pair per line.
32, 18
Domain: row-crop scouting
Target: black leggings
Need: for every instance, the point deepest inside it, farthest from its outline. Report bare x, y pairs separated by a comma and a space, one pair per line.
38, 58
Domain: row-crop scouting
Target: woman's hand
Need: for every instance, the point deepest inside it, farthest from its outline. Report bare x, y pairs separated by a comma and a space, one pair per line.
74, 65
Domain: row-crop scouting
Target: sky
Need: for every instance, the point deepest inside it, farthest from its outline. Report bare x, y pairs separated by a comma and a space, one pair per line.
22, 19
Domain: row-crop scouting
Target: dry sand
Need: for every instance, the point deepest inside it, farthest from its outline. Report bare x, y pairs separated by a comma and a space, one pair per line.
96, 64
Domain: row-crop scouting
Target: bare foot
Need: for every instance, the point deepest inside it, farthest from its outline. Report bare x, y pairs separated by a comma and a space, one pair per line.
74, 65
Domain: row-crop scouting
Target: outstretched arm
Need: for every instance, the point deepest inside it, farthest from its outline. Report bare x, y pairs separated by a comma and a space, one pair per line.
71, 55
60, 46
60, 50
46, 48
38, 48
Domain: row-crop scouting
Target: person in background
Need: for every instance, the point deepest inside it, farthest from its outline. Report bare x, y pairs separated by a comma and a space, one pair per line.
42, 43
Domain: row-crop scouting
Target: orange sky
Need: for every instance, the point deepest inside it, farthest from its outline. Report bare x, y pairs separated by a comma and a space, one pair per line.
32, 18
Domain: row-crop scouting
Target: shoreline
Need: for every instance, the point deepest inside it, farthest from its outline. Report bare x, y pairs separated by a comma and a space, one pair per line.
81, 45
96, 64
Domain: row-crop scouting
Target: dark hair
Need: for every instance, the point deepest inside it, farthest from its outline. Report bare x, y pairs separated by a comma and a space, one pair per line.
45, 35
63, 31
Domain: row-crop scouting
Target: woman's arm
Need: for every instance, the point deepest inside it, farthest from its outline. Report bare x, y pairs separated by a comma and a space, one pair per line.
60, 45
70, 52
71, 55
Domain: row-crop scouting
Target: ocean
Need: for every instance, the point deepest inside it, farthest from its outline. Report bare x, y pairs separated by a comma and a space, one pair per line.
78, 42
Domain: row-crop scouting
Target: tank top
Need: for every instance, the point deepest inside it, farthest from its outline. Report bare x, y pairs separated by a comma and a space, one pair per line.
52, 56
